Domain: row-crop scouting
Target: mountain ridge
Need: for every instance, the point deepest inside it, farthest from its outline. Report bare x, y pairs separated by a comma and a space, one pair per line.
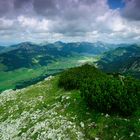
29, 54
122, 60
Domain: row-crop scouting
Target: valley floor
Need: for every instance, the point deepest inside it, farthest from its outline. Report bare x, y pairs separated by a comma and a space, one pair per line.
10, 79
44, 111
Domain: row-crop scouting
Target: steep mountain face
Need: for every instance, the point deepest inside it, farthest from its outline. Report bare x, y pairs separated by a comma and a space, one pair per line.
123, 60
30, 55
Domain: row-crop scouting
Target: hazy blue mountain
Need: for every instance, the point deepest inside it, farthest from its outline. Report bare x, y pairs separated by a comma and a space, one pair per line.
4, 49
1, 48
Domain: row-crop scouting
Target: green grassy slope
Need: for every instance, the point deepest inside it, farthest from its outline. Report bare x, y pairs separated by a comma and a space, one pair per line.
44, 111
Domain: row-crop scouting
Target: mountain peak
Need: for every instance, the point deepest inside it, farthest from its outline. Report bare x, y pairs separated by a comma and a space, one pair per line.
59, 43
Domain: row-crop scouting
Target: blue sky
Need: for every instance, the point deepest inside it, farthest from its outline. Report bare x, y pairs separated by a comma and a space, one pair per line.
116, 4
111, 21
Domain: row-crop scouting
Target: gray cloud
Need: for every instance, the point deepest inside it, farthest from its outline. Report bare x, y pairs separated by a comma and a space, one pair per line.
46, 7
20, 3
70, 17
5, 7
68, 9
70, 20
132, 9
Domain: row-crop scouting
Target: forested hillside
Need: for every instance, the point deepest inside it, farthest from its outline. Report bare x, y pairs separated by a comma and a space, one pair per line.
124, 60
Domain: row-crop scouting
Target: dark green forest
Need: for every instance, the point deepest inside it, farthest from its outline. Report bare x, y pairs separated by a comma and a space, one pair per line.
107, 93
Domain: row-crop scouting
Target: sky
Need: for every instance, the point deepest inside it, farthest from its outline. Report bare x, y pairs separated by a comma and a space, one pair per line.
112, 21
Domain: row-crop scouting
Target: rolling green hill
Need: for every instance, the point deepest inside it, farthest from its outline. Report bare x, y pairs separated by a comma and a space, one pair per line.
122, 60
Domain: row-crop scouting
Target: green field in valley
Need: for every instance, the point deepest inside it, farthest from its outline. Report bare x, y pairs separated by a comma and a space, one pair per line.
8, 80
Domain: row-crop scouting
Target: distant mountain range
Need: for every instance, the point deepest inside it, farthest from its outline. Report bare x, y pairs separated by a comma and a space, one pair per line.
123, 60
31, 55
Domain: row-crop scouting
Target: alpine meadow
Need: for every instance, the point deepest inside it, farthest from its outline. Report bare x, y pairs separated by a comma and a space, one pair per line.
69, 69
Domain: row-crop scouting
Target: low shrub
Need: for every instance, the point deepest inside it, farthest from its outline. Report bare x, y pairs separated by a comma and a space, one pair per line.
109, 96
103, 92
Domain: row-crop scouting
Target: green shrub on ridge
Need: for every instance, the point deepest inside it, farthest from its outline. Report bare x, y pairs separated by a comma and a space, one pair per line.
102, 92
